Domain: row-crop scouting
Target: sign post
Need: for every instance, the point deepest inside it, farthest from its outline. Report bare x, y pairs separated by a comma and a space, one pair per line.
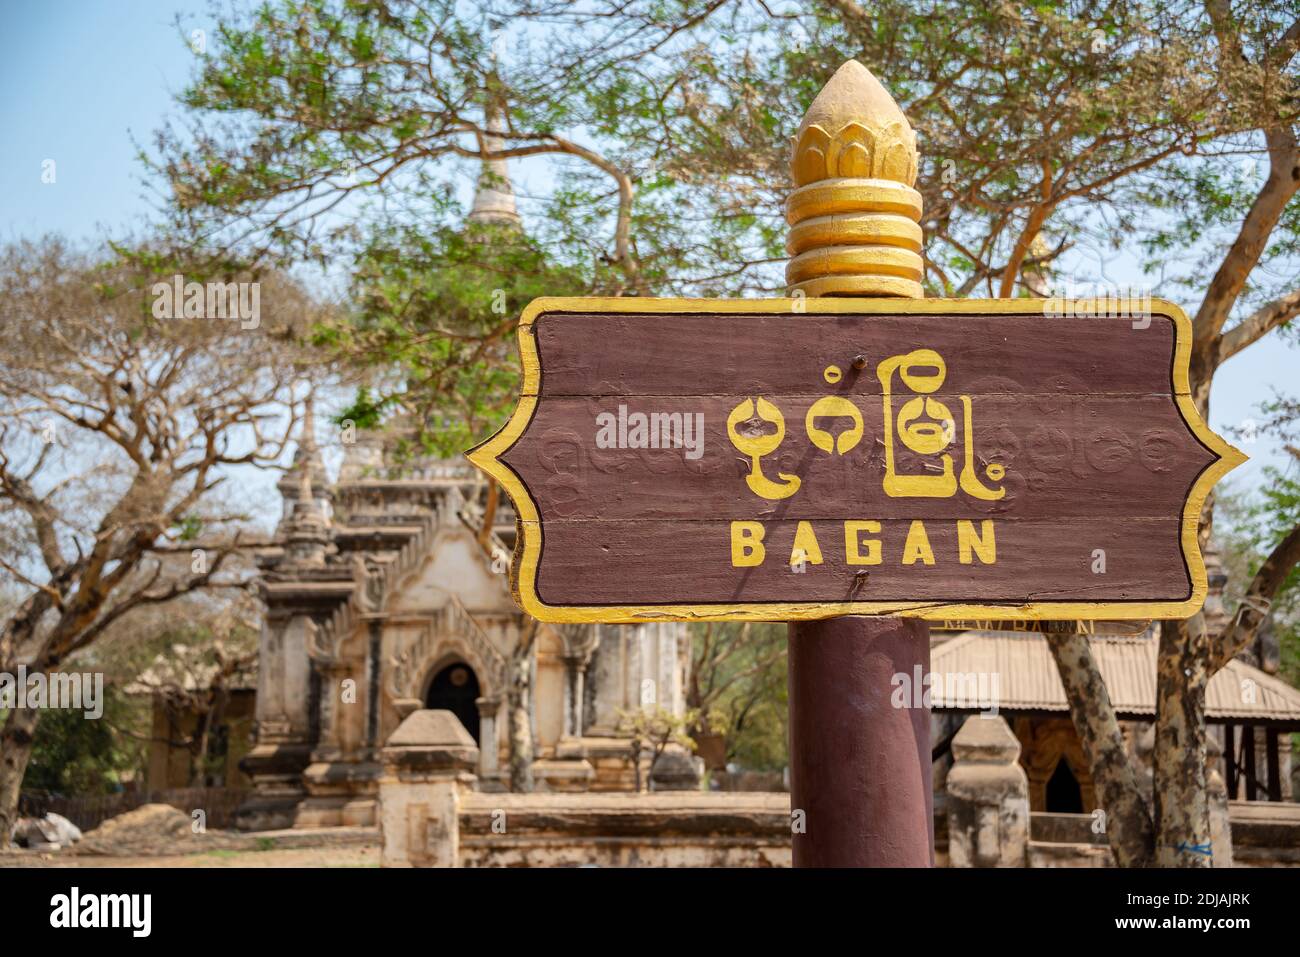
860, 767
856, 450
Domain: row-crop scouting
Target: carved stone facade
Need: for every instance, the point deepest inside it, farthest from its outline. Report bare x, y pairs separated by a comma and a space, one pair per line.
381, 602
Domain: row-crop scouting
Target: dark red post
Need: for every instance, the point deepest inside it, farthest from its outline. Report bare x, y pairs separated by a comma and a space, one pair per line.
860, 767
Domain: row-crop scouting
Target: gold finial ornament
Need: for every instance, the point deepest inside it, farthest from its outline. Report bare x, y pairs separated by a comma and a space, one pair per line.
854, 216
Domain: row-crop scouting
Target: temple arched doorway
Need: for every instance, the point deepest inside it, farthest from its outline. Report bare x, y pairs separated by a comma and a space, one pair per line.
1063, 794
455, 688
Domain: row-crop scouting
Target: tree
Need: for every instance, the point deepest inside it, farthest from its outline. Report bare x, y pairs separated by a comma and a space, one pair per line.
1256, 224
302, 107
432, 322
187, 658
1248, 528
651, 730
71, 755
118, 430
737, 672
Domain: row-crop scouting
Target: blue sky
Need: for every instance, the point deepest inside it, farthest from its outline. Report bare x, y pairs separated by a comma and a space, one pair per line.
83, 77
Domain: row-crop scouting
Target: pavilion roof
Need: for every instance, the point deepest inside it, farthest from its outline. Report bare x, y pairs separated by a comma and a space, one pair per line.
1027, 679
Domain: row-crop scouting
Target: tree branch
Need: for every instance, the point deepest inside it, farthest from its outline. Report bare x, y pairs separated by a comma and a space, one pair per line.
1255, 602
1258, 324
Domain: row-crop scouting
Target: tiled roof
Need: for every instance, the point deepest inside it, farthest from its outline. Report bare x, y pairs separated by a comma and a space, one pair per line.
1027, 679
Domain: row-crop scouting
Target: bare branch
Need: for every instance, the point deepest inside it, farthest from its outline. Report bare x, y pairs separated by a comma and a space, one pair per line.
1255, 602
1258, 324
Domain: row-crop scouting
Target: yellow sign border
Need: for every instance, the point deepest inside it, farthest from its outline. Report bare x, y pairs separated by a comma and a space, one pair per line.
528, 548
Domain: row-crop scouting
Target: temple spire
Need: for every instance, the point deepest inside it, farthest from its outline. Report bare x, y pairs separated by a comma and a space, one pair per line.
307, 532
307, 442
494, 198
854, 215
305, 457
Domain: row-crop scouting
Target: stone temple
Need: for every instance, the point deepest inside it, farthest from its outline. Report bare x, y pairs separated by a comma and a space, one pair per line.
382, 599
380, 602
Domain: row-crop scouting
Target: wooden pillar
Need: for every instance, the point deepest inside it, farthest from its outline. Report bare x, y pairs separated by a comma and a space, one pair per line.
1274, 764
1230, 759
860, 769
1248, 743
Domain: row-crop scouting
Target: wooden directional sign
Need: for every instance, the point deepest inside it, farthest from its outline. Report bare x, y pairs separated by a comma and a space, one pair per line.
794, 459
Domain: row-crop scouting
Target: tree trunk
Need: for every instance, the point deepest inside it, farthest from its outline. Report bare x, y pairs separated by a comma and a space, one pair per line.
210, 718
1182, 809
635, 748
489, 516
1180, 788
199, 748
1129, 828
16, 742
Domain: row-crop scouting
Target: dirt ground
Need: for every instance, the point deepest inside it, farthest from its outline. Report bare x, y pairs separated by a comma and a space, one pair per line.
159, 835
352, 855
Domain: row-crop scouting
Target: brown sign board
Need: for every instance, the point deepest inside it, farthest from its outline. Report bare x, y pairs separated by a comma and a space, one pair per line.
786, 459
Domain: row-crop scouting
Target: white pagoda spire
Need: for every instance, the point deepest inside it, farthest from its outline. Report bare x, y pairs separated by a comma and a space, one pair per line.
494, 200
